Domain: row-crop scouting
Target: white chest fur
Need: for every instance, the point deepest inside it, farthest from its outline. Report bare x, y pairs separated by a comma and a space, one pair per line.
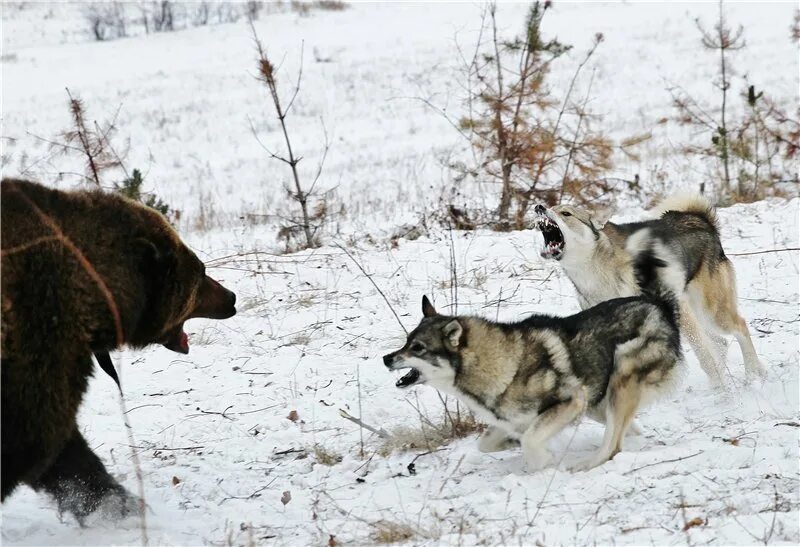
597, 282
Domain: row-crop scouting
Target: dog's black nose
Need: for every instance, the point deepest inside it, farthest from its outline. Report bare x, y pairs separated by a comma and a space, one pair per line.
540, 209
387, 359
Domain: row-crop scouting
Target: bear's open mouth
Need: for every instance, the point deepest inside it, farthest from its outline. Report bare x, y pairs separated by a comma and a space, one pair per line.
409, 379
553, 238
176, 340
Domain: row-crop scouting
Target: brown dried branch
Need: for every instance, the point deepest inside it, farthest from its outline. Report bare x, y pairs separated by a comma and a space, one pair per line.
267, 75
92, 143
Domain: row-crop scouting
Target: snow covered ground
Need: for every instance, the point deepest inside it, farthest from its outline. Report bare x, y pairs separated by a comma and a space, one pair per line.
213, 431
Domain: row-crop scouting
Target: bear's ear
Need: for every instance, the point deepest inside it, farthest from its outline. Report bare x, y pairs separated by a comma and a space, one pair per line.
154, 260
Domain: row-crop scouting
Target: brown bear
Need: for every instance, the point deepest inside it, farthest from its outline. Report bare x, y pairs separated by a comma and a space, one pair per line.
82, 272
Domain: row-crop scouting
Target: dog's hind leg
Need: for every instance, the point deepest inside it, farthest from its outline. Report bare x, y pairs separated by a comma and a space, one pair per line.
634, 429
599, 416
716, 293
547, 424
646, 363
623, 400
738, 326
705, 345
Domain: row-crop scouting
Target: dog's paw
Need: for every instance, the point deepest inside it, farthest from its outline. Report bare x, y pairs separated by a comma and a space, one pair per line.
537, 459
588, 463
634, 430
495, 440
489, 443
755, 371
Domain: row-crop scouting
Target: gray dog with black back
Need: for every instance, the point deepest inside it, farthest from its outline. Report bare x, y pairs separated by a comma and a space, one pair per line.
532, 378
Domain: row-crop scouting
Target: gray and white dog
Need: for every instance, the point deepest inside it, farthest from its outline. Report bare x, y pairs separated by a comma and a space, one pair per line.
530, 379
597, 258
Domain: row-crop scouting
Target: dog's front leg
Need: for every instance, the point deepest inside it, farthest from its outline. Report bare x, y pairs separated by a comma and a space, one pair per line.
547, 424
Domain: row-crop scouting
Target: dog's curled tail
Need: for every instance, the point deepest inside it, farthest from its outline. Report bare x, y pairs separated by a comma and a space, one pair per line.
659, 273
687, 202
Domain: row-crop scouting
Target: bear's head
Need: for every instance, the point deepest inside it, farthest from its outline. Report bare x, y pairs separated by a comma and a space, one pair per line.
175, 284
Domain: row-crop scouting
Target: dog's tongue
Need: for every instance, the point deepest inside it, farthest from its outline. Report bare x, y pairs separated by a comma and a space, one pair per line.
408, 379
178, 342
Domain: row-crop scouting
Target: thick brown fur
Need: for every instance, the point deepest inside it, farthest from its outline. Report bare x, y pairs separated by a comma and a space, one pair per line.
82, 272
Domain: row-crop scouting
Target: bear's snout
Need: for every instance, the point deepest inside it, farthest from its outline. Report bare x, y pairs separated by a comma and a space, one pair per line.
214, 301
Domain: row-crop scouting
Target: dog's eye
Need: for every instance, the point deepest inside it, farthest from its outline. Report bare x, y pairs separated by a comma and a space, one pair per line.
416, 347
566, 214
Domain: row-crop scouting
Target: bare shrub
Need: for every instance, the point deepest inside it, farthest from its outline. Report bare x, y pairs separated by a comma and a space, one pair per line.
227, 13
207, 216
144, 17
753, 144
94, 144
331, 5
106, 21
304, 7
97, 23
764, 145
202, 14
109, 20
299, 7
163, 16
253, 9
795, 28
534, 146
312, 211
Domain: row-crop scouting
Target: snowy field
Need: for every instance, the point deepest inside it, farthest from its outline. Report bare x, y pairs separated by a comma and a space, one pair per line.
254, 411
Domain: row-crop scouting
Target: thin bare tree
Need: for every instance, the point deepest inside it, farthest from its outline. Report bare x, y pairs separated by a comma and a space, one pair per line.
310, 221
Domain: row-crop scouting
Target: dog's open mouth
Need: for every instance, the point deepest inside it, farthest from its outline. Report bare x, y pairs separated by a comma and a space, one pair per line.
553, 238
409, 379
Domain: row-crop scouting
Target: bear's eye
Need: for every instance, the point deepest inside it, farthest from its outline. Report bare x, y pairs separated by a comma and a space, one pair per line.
417, 348
566, 214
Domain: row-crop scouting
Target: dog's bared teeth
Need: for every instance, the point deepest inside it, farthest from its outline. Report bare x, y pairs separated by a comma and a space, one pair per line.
409, 379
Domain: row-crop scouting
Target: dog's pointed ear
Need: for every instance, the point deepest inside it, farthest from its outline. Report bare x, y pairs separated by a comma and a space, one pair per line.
453, 331
427, 308
600, 217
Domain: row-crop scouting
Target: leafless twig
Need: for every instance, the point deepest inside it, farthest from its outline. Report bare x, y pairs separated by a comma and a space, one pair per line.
377, 288
379, 432
763, 252
630, 471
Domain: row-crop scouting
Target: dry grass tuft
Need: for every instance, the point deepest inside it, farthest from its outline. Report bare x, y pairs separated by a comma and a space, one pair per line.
431, 435
325, 456
391, 532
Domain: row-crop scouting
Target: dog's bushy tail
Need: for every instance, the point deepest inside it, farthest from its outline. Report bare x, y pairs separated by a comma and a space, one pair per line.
687, 202
659, 273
